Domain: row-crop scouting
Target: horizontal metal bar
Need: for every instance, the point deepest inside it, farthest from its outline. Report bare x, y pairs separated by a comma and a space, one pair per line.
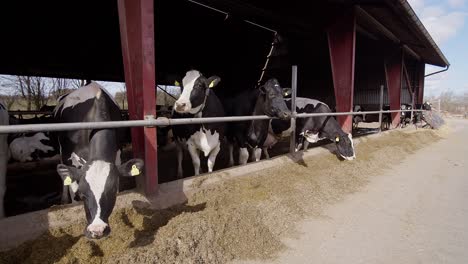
303, 115
162, 121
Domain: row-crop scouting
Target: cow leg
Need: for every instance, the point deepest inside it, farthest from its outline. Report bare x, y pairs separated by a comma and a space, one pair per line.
212, 157
231, 154
306, 144
195, 157
243, 156
180, 156
265, 152
258, 153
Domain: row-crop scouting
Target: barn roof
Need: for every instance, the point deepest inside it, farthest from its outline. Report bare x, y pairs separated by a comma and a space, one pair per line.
81, 39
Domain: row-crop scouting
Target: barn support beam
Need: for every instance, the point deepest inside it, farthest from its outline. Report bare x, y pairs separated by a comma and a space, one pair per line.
394, 74
422, 69
136, 19
342, 46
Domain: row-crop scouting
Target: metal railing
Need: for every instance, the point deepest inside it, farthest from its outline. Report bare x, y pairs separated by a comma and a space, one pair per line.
162, 121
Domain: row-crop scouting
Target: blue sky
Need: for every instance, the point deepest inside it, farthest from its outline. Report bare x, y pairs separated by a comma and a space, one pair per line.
446, 22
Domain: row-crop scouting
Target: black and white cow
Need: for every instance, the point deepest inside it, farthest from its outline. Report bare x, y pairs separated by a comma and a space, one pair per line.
405, 116
313, 129
4, 121
266, 100
91, 163
198, 100
359, 117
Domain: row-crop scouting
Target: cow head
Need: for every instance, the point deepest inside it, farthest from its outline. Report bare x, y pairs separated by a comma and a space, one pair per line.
194, 91
98, 184
345, 146
274, 104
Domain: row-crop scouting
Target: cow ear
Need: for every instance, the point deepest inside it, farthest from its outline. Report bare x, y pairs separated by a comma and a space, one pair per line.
176, 83
68, 174
262, 89
133, 167
213, 81
287, 92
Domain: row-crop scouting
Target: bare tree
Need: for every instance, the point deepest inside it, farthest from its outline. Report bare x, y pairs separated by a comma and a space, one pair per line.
59, 86
77, 83
32, 90
121, 96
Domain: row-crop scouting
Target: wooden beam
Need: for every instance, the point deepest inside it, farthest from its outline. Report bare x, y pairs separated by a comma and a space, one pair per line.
342, 47
393, 73
136, 19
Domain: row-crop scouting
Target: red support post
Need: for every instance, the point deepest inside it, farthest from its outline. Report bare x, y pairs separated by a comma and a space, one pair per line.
136, 19
422, 70
394, 72
342, 46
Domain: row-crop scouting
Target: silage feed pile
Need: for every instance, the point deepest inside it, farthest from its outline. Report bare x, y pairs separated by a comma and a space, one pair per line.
243, 218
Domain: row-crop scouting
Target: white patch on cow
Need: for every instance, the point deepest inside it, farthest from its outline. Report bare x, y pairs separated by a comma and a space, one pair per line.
97, 227
74, 186
212, 157
302, 102
4, 120
193, 151
92, 90
118, 160
204, 140
76, 160
96, 176
21, 148
352, 146
243, 156
311, 137
188, 82
257, 153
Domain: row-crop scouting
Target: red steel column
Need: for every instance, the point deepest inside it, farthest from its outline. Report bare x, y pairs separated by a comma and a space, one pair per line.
137, 38
394, 72
420, 97
342, 45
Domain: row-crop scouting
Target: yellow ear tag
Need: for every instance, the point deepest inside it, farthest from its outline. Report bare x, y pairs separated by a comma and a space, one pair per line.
176, 83
337, 139
67, 181
135, 171
211, 84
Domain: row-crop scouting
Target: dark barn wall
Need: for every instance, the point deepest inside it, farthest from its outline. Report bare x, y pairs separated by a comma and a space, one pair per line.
369, 73
311, 54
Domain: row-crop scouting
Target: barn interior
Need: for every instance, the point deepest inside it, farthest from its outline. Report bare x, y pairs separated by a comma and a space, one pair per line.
231, 39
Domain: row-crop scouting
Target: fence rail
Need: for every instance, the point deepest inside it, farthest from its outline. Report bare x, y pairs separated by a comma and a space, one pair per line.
162, 122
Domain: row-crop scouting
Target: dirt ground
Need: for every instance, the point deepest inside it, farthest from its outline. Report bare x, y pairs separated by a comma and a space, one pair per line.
244, 219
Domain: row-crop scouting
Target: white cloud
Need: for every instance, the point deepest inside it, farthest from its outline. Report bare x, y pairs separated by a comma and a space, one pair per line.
417, 5
442, 26
434, 85
456, 3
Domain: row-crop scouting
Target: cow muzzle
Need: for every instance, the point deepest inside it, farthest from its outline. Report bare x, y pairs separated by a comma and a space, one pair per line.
182, 107
97, 231
284, 115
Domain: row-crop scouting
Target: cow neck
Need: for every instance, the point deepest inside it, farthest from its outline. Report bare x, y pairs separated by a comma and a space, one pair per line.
257, 126
200, 111
330, 124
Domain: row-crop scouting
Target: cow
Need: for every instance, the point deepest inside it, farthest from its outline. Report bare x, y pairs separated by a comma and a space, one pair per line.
31, 148
266, 100
26, 147
198, 100
358, 118
405, 116
313, 129
90, 159
4, 121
